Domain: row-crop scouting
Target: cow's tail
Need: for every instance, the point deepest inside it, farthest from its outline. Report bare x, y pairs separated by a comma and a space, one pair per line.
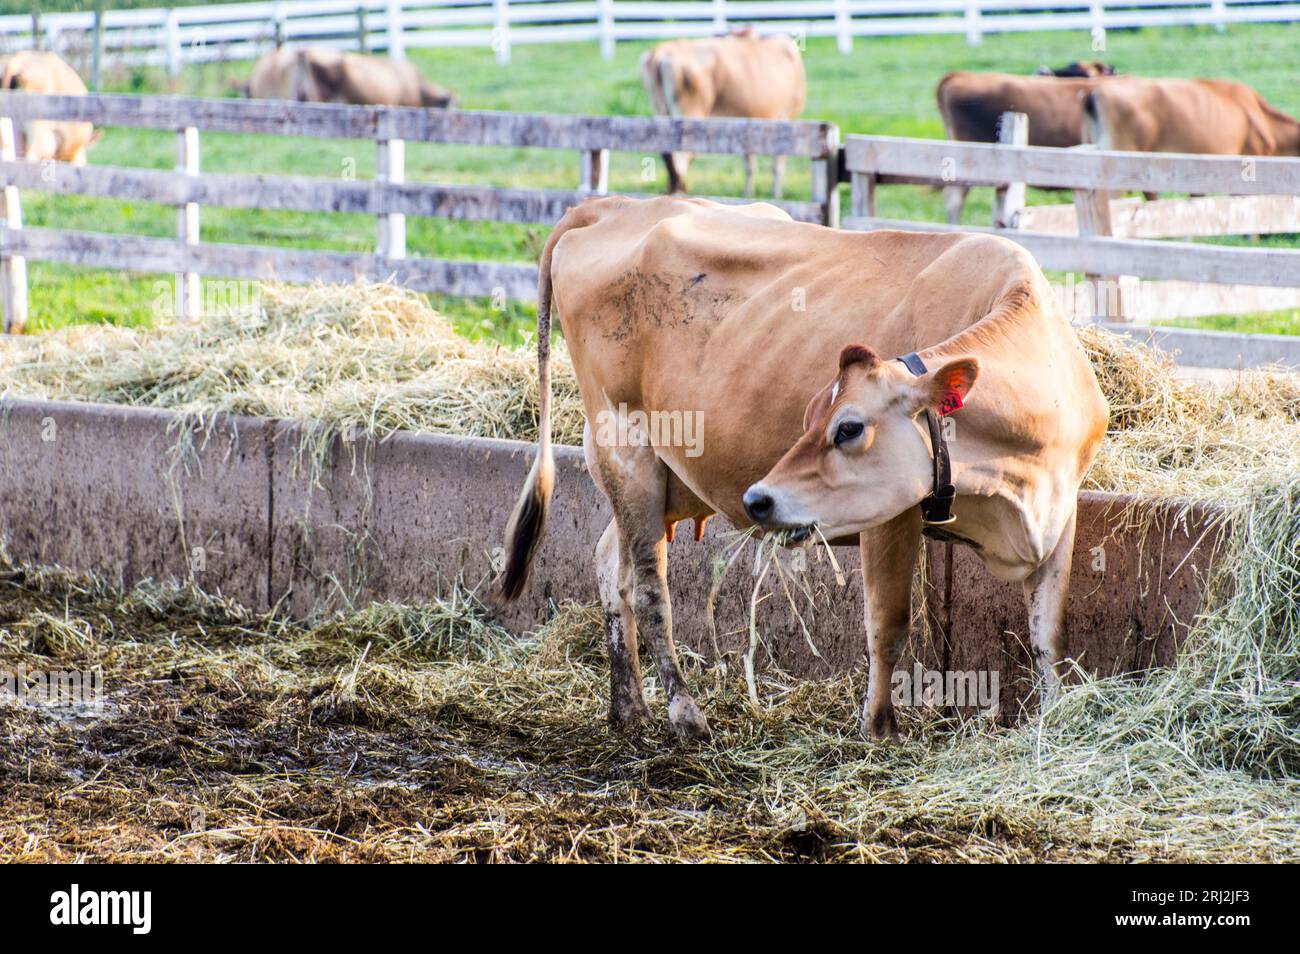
527, 523
1094, 126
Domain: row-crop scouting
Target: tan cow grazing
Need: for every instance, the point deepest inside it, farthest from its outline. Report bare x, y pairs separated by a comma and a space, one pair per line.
740, 74
36, 71
676, 305
274, 76
972, 105
1188, 115
323, 75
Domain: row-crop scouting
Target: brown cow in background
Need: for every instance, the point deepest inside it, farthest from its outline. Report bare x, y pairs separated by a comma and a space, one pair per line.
741, 74
972, 105
323, 75
1218, 117
35, 71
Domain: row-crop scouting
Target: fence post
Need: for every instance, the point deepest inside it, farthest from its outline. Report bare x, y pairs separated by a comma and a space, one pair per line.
862, 194
37, 43
363, 31
1220, 11
719, 16
277, 25
826, 179
13, 268
97, 47
189, 291
173, 31
605, 12
396, 36
843, 27
1097, 12
501, 30
1092, 206
390, 166
1009, 199
594, 171
974, 32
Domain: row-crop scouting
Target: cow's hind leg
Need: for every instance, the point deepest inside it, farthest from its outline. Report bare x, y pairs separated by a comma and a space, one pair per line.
636, 482
1046, 590
778, 174
627, 706
888, 562
954, 199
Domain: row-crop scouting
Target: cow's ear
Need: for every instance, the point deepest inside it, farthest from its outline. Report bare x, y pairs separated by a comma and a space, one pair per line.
945, 391
818, 405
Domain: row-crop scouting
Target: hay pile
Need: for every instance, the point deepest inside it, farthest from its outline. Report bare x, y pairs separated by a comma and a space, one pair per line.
371, 358
378, 735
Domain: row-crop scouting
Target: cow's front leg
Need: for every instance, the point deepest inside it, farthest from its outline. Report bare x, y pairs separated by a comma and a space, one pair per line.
888, 564
627, 708
1046, 589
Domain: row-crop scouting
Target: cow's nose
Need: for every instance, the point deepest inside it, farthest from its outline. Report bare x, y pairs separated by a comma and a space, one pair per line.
759, 504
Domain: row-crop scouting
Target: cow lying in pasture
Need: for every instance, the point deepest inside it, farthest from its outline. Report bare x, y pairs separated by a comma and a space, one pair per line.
324, 75
1187, 115
972, 105
740, 74
35, 71
810, 425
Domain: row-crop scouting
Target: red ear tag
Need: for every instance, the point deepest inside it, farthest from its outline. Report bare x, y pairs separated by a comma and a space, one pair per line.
951, 402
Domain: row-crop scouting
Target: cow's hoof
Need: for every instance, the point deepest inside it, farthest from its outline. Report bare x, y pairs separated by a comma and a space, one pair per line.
880, 726
627, 716
687, 720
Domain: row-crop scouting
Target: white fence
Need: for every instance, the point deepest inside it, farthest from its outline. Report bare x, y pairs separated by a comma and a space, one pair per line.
174, 37
388, 197
1106, 238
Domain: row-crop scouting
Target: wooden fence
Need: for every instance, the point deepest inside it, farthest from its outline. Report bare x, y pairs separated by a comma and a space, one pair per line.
1109, 240
388, 197
172, 37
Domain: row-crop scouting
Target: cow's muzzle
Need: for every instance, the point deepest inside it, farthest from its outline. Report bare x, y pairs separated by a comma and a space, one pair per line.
761, 506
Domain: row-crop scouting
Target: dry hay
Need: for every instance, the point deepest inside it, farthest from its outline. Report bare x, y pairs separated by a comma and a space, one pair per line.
429, 733
399, 733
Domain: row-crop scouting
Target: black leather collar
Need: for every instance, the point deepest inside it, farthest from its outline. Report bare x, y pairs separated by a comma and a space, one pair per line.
936, 509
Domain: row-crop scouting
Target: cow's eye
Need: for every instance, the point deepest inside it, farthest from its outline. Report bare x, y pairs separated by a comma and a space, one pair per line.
848, 431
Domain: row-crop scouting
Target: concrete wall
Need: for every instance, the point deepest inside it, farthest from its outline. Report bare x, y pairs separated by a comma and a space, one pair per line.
242, 511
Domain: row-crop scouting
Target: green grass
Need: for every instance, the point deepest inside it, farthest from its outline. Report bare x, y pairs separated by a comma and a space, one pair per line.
885, 87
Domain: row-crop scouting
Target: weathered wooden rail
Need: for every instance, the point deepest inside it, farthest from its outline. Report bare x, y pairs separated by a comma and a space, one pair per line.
1108, 239
388, 197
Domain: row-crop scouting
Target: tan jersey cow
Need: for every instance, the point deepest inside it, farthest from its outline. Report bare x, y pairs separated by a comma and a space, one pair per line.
741, 74
1188, 115
324, 75
675, 306
35, 71
972, 104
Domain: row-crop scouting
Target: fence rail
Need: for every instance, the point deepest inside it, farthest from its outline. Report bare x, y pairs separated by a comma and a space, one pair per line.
388, 197
175, 37
1111, 240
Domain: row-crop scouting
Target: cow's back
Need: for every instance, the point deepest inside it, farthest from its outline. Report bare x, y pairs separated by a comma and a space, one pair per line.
972, 104
675, 304
1213, 117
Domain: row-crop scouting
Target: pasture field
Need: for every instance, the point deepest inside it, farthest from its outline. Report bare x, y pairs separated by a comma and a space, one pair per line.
885, 87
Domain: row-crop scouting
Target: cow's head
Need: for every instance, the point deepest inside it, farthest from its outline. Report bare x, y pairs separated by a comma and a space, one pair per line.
863, 458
